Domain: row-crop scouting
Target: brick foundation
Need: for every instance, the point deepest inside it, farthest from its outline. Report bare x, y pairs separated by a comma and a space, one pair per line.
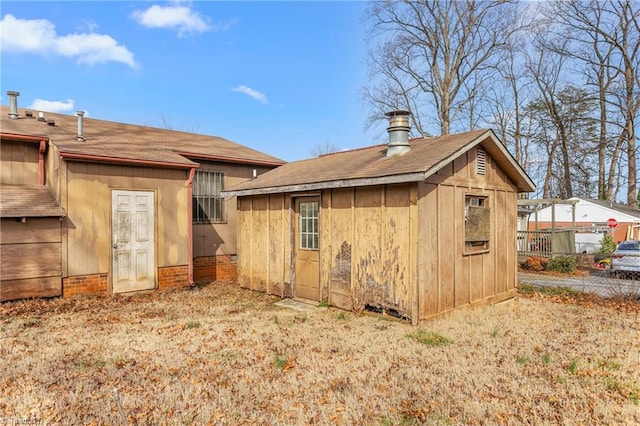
173, 277
95, 284
215, 268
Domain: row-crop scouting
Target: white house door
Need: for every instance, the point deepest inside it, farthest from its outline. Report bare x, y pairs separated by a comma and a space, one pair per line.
133, 245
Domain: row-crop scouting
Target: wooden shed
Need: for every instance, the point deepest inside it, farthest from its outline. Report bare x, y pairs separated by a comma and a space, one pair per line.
140, 207
416, 228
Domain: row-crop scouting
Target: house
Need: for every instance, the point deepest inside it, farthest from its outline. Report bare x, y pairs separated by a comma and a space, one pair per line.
413, 227
590, 220
91, 206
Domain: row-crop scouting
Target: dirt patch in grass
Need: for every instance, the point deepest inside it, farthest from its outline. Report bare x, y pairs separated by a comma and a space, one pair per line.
222, 355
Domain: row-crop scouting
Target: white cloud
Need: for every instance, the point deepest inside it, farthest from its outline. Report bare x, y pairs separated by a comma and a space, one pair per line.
51, 106
181, 18
258, 96
38, 36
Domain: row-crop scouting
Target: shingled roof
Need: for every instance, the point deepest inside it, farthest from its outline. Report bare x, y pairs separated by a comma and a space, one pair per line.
28, 201
129, 143
371, 166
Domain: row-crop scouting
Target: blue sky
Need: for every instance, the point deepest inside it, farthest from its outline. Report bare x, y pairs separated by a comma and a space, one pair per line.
280, 77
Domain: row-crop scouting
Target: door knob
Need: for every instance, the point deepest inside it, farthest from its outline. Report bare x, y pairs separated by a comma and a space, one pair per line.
115, 246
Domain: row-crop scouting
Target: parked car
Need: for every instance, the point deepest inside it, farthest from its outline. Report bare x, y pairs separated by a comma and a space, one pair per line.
626, 259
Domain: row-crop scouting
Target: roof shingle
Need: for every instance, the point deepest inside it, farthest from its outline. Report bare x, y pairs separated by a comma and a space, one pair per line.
28, 201
120, 141
356, 167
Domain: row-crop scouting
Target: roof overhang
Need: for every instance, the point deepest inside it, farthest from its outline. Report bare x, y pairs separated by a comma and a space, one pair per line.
334, 184
92, 158
499, 153
488, 140
25, 138
225, 159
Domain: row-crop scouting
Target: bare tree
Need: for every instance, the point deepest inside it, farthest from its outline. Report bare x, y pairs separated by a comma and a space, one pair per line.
323, 148
605, 36
435, 56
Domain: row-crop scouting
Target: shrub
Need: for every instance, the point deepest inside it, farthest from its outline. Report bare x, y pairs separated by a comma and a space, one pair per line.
565, 264
607, 245
535, 263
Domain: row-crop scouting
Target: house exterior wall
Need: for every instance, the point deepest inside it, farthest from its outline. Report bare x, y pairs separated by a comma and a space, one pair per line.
214, 245
30, 258
450, 277
19, 163
619, 233
86, 197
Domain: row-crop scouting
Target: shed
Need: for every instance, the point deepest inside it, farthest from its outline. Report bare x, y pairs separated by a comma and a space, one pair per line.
141, 207
413, 227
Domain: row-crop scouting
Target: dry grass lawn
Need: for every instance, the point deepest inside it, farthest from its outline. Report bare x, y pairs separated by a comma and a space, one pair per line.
218, 354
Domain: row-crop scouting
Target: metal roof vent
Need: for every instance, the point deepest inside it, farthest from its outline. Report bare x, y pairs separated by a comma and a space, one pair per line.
29, 114
51, 123
13, 104
80, 136
41, 116
398, 133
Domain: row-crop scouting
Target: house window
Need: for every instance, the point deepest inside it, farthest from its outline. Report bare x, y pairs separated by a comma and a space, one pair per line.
481, 161
309, 226
208, 204
477, 223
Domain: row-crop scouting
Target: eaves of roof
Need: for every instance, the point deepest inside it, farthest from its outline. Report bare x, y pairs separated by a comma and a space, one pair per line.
128, 161
369, 166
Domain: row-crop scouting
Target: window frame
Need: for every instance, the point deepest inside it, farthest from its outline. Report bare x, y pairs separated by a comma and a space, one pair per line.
206, 198
480, 201
304, 220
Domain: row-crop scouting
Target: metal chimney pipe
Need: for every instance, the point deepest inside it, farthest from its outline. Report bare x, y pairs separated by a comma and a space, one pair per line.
80, 136
398, 133
13, 104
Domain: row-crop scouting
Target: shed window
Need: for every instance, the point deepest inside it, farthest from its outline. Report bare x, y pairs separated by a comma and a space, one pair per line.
309, 226
481, 161
208, 204
477, 223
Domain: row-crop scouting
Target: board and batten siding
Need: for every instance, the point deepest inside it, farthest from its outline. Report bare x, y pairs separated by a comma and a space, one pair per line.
448, 276
264, 243
213, 239
396, 247
367, 246
30, 258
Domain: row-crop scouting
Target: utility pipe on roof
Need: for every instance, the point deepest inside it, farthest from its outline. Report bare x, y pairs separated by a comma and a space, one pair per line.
192, 173
80, 136
13, 104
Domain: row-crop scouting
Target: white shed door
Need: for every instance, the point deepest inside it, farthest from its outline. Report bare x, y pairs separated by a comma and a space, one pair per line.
133, 225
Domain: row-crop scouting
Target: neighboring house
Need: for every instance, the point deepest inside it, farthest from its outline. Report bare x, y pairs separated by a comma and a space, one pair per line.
590, 220
91, 206
415, 228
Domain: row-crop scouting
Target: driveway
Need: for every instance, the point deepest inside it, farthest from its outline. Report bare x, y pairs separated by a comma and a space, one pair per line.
598, 282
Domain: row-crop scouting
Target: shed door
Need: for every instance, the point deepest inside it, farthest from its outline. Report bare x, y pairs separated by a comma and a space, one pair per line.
307, 255
133, 224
